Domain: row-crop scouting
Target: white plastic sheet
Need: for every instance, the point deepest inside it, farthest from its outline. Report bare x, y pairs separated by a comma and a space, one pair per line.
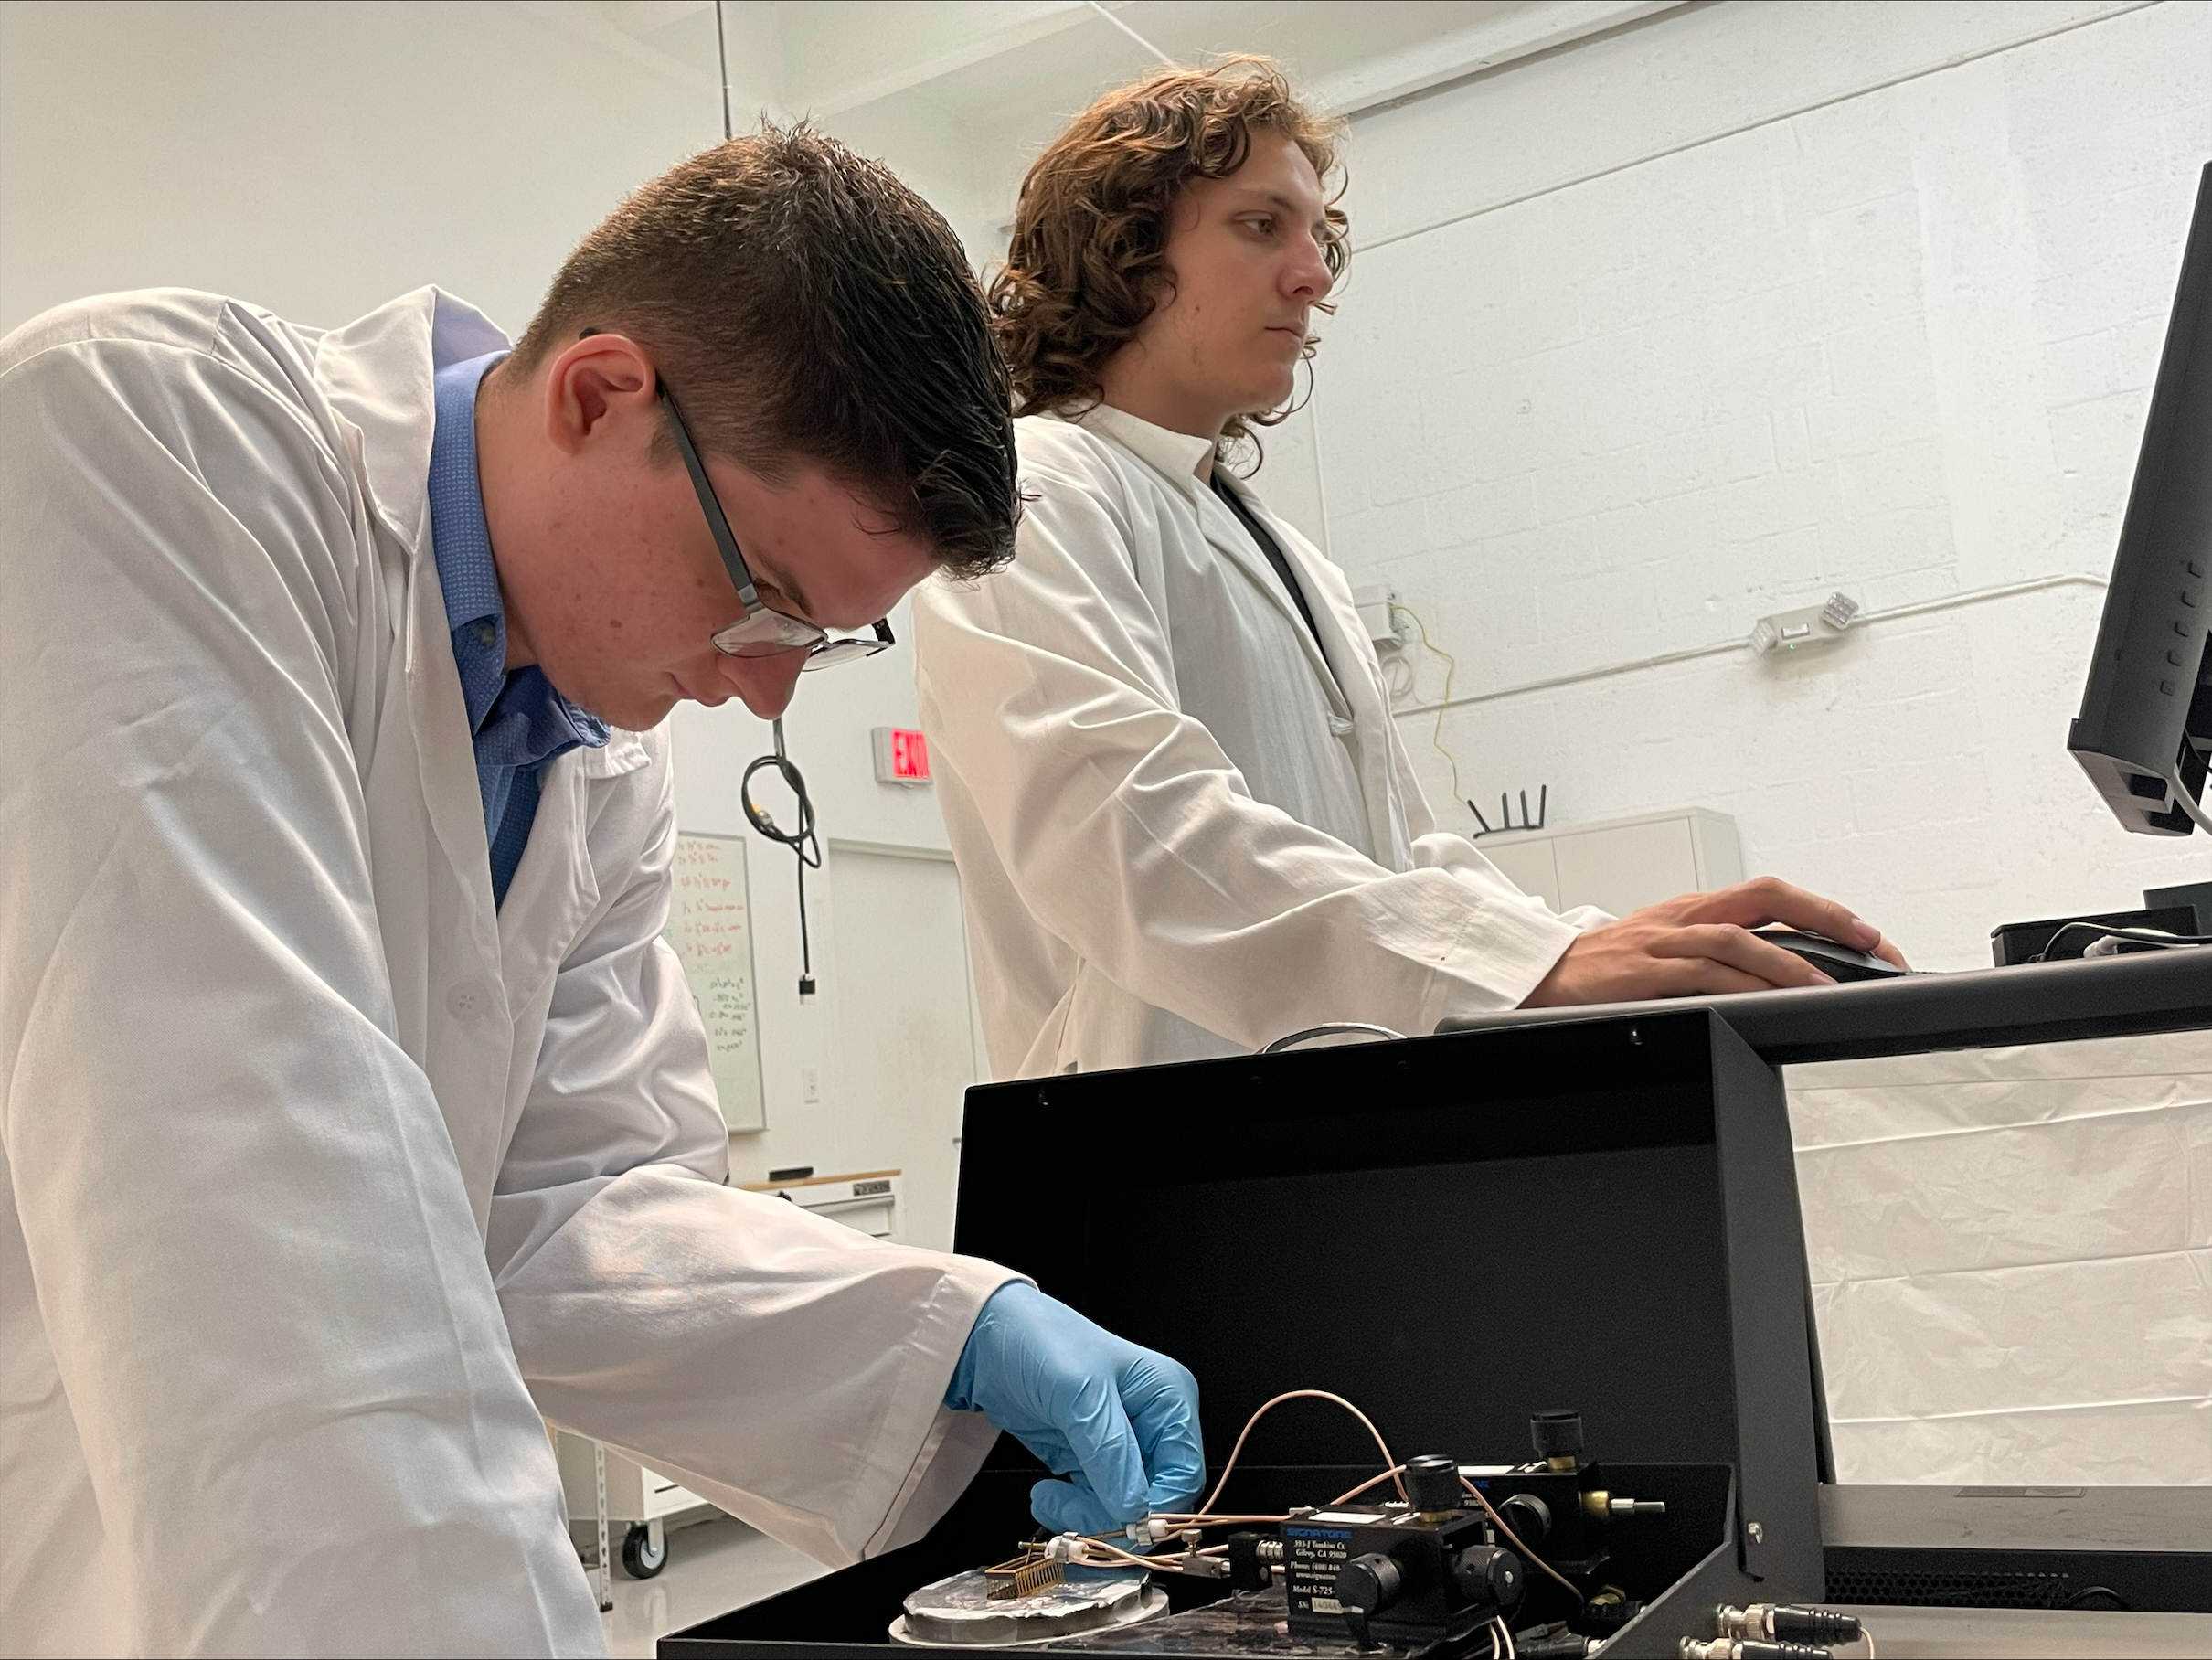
2012, 1261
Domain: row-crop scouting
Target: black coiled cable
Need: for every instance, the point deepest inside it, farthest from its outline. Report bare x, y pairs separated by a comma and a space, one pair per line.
800, 840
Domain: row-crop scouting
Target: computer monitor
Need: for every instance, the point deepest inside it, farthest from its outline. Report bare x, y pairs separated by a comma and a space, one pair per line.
2145, 727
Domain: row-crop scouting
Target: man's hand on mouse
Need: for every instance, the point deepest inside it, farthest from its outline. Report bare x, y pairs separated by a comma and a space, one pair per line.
1702, 943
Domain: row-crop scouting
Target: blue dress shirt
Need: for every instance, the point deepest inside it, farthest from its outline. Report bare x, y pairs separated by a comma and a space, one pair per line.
518, 721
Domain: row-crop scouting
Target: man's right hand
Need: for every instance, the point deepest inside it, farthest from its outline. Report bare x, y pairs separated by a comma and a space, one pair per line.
1119, 1422
1702, 943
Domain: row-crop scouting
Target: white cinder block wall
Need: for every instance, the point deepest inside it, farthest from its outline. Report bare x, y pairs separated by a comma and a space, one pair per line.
1751, 303
1702, 321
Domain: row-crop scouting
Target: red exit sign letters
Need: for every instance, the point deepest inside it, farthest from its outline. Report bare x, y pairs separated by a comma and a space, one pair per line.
902, 757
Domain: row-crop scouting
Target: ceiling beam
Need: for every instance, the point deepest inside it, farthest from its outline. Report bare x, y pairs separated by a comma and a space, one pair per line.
965, 50
1522, 32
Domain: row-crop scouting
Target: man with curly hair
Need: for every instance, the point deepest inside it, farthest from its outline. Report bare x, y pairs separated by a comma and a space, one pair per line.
1184, 821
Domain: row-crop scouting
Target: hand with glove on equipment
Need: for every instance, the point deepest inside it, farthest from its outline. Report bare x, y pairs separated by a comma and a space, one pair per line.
1119, 1422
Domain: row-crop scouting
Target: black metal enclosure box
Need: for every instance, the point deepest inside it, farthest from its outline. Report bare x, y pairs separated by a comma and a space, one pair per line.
1452, 1232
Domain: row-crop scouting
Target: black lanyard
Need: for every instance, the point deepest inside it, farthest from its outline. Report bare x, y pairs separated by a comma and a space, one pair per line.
1267, 546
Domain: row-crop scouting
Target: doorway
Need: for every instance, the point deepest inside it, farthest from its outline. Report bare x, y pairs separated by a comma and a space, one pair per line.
906, 1023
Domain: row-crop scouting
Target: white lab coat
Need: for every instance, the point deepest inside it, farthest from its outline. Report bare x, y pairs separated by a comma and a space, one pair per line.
1182, 829
313, 1158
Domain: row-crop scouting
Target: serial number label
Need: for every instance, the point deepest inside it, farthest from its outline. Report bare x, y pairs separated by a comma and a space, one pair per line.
1312, 1557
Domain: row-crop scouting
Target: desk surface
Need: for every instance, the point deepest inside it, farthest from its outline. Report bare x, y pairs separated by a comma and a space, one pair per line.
2167, 990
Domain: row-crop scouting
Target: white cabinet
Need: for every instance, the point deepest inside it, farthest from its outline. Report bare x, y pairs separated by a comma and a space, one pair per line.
618, 1507
1623, 863
635, 1494
867, 1202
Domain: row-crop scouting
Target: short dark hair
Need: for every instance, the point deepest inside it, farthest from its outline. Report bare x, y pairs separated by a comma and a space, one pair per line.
1087, 257
805, 304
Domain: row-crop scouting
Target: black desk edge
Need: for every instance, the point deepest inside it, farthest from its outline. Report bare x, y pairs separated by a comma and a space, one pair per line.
2164, 991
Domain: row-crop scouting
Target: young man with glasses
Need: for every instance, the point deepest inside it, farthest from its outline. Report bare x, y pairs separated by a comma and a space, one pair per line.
1184, 821
353, 1112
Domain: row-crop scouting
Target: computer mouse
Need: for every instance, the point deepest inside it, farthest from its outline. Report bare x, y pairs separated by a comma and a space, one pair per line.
1837, 961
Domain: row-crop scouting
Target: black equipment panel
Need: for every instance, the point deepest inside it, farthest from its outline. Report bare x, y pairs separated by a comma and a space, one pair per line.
1452, 1232
2162, 991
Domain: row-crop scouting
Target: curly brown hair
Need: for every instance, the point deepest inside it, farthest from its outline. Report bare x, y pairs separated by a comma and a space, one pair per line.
1089, 253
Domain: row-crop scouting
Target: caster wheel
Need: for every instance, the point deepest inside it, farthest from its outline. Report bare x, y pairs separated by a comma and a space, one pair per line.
642, 1556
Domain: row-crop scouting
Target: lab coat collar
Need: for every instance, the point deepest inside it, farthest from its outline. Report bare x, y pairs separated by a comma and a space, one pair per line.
1177, 454
1178, 457
378, 370
378, 373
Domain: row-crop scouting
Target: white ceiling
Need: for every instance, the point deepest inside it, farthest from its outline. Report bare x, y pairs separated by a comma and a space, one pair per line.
960, 94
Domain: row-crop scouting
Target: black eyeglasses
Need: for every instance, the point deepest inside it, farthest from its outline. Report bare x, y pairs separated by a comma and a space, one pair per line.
762, 631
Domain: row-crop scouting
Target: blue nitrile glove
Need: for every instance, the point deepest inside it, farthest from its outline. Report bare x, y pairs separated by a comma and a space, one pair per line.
1120, 1421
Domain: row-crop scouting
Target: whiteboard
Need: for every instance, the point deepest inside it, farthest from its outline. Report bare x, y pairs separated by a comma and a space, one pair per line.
710, 928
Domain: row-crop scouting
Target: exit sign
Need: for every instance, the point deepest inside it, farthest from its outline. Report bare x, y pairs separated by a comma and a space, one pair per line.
902, 757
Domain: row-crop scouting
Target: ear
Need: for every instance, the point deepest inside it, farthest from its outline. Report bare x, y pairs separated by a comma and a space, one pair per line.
602, 386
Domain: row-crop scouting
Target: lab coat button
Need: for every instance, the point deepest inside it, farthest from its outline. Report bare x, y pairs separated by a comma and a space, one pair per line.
467, 1000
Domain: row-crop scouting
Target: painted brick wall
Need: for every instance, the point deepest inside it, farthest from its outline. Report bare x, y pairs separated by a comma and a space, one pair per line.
1703, 321
1891, 330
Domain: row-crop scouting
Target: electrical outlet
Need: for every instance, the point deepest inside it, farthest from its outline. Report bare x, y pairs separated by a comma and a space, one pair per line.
1378, 608
810, 1084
